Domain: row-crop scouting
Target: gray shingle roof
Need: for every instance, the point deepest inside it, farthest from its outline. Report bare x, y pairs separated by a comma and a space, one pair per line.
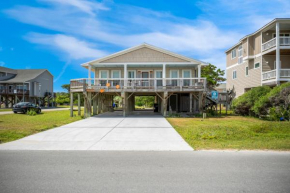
22, 75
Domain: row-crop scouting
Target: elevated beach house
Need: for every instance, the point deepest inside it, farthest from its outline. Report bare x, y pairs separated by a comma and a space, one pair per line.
144, 70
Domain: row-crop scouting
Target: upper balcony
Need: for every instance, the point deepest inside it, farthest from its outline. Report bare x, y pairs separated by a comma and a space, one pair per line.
284, 41
270, 33
271, 75
138, 84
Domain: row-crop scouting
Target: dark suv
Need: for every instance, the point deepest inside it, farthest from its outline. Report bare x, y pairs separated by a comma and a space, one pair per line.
23, 107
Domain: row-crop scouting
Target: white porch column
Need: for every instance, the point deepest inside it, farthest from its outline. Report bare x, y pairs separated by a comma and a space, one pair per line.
125, 75
199, 72
278, 53
164, 75
89, 75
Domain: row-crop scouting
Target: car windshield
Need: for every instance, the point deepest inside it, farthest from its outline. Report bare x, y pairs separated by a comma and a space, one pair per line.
23, 103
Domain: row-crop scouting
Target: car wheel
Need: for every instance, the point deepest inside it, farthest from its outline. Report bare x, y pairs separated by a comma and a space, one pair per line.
15, 112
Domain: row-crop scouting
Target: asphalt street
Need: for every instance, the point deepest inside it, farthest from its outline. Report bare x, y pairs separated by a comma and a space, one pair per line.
145, 171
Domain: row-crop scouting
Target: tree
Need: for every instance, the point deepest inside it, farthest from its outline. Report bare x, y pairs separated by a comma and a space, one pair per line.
213, 75
66, 87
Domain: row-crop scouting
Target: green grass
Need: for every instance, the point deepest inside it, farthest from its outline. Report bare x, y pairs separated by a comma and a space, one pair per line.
3, 110
233, 132
16, 126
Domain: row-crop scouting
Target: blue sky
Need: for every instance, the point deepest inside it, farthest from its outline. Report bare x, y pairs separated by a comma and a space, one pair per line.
61, 34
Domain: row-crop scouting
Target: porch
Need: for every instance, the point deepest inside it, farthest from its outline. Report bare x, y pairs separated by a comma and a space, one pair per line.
138, 84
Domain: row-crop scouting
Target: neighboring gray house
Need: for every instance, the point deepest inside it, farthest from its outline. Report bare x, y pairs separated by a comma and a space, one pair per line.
25, 85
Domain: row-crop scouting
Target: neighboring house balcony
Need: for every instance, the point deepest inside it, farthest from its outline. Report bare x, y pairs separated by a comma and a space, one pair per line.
284, 75
284, 43
14, 91
276, 36
138, 84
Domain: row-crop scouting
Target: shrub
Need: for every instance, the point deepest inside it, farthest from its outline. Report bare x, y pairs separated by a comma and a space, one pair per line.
243, 104
278, 96
31, 112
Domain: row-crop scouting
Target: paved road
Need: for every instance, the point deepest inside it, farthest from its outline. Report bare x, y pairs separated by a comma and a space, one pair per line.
43, 110
110, 131
121, 171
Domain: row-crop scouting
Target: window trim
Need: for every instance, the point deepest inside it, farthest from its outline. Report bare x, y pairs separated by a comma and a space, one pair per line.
234, 72
135, 73
235, 53
255, 65
112, 72
183, 70
247, 71
100, 72
177, 73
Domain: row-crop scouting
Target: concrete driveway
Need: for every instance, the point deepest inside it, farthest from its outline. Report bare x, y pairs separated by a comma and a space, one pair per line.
109, 131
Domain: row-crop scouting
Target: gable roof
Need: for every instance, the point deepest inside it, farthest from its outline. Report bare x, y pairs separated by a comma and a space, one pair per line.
144, 45
24, 75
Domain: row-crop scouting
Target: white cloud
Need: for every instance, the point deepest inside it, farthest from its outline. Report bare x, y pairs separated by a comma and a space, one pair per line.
76, 49
77, 22
2, 63
88, 7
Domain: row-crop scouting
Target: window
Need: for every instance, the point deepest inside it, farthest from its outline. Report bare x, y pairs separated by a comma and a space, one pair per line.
103, 74
174, 74
158, 74
234, 53
282, 35
257, 65
116, 74
247, 70
186, 74
234, 74
131, 73
240, 54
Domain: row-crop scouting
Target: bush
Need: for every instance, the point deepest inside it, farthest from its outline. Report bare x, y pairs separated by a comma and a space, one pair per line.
264, 104
243, 105
31, 112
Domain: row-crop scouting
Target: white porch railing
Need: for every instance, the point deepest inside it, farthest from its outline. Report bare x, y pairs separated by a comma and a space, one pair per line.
139, 84
285, 73
284, 41
269, 75
269, 44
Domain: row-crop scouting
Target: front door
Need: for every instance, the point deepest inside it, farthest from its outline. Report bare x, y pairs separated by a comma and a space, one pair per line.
145, 76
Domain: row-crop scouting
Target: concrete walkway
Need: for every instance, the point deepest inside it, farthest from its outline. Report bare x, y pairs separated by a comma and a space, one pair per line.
110, 131
43, 110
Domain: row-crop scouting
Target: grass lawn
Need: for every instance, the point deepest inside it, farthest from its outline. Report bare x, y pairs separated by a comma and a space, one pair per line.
233, 132
3, 110
16, 126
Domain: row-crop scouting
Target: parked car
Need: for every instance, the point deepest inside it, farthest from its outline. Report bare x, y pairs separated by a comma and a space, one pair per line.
23, 107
